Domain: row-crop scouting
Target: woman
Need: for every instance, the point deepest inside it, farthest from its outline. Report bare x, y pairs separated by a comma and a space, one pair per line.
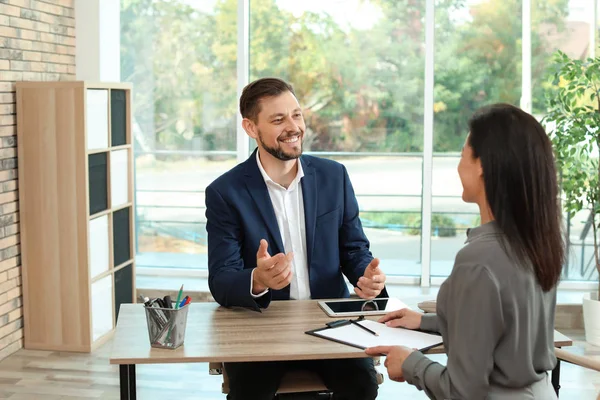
496, 309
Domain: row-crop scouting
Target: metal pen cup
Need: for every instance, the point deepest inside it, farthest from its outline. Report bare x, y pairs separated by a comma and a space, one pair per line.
166, 326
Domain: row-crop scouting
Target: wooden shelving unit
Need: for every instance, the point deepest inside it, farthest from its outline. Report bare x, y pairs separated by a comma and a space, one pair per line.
75, 158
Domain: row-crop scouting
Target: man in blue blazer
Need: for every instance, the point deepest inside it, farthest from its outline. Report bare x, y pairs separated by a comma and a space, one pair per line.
281, 226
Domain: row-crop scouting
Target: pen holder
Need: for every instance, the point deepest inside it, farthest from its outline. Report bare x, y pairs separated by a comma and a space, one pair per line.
166, 326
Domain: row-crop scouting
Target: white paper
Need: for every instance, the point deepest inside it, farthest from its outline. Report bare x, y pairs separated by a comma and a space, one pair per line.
388, 336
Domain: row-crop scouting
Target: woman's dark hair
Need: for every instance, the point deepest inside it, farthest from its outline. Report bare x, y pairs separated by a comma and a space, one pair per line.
255, 91
521, 186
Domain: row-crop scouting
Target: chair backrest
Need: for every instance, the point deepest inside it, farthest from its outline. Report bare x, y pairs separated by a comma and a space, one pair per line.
292, 382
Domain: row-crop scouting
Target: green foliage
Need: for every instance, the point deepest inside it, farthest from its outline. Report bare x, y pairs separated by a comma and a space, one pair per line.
441, 225
362, 88
574, 117
403, 220
574, 120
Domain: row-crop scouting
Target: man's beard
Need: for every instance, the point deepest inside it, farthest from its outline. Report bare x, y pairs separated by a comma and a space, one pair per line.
278, 151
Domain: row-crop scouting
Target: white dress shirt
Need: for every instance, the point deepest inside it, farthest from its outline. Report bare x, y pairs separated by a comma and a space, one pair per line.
289, 211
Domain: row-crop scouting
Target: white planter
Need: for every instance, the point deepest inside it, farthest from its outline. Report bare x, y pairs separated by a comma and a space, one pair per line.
591, 318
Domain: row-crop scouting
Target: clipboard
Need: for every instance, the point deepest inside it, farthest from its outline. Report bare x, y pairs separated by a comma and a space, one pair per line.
347, 333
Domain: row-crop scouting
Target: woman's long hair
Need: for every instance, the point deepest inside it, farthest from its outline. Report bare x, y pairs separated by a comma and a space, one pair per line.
521, 186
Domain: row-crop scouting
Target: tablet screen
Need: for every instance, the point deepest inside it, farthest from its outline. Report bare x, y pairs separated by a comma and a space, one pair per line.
365, 305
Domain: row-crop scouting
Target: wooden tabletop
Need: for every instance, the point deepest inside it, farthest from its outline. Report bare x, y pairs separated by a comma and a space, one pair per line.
218, 334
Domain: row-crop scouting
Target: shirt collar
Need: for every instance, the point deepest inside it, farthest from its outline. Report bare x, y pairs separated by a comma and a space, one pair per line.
268, 179
490, 228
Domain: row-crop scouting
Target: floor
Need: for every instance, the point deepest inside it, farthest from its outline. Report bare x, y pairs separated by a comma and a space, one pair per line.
29, 374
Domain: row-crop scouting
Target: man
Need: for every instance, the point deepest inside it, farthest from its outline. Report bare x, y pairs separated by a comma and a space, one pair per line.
285, 226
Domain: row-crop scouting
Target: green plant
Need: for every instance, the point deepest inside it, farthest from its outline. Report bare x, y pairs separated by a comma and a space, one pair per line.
406, 221
573, 121
441, 225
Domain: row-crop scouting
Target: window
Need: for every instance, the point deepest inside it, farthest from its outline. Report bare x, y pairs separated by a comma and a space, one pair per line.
357, 69
564, 25
477, 62
181, 58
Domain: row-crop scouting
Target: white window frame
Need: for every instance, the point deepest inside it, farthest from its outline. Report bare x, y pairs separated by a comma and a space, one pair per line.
424, 279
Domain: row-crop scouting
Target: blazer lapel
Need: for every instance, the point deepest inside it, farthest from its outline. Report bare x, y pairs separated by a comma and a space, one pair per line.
259, 193
309, 194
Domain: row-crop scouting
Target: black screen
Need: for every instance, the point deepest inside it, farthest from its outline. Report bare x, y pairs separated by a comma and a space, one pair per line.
357, 306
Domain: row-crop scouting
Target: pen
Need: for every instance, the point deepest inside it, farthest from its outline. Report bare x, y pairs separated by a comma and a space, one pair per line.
364, 327
338, 323
177, 306
179, 297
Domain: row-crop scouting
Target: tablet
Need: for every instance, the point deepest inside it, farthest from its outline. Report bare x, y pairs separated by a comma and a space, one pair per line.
355, 307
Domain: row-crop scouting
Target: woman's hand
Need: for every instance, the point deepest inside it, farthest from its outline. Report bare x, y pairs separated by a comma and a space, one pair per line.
394, 360
404, 318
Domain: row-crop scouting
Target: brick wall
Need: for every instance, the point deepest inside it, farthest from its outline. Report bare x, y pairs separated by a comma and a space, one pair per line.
37, 43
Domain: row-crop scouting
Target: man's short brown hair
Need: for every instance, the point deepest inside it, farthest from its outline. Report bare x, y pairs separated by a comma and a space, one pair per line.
255, 91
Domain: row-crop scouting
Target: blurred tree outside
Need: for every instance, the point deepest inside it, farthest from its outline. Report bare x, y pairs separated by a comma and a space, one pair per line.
362, 88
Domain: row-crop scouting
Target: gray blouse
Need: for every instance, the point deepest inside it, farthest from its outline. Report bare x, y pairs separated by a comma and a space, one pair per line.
496, 323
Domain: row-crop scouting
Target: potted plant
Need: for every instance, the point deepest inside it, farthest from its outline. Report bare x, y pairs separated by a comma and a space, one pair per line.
573, 122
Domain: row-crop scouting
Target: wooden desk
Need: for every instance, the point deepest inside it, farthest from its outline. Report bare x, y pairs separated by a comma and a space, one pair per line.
217, 334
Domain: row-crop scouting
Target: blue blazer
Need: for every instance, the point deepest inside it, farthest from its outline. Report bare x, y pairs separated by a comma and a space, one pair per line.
239, 213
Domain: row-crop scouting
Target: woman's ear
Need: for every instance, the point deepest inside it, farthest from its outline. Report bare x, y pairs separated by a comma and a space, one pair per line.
250, 128
479, 167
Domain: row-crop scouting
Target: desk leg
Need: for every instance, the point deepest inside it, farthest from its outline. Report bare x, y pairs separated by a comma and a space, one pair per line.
127, 380
556, 377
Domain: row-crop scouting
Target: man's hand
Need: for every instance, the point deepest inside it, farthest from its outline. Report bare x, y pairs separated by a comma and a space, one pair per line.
372, 282
403, 318
394, 360
271, 272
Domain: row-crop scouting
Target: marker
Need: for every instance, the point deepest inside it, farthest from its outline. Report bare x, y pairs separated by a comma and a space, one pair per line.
168, 302
148, 302
185, 300
159, 313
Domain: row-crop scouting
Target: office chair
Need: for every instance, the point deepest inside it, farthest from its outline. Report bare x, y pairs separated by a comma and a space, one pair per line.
293, 382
